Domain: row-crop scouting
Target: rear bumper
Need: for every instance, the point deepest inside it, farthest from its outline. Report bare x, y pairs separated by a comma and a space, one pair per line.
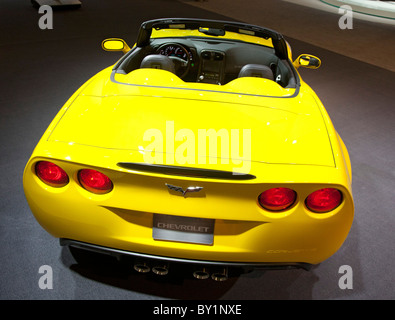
246, 266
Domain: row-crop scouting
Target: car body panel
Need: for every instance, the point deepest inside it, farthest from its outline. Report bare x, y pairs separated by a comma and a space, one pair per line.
281, 132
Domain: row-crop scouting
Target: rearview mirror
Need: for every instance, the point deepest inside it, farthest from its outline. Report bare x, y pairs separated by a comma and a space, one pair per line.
307, 61
115, 44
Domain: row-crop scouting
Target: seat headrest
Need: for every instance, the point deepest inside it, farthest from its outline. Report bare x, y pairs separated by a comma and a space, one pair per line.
256, 70
158, 61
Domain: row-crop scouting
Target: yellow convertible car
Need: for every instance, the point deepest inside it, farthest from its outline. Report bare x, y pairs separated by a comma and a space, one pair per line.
201, 146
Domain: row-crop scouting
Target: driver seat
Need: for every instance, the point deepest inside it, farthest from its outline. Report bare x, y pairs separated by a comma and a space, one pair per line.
158, 61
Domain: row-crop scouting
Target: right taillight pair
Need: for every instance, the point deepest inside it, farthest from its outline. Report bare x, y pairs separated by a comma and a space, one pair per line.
320, 201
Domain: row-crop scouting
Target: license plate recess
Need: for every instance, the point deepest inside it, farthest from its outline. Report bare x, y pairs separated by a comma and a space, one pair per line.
183, 229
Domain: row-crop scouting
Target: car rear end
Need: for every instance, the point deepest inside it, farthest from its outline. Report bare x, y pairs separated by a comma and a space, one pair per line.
287, 218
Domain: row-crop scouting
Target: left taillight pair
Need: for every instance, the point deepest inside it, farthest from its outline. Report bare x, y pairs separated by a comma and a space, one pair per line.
92, 180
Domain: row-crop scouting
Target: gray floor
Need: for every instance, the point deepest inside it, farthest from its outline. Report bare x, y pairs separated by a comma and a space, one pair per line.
40, 69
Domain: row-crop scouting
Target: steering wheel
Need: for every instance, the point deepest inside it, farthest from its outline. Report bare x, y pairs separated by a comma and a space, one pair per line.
179, 55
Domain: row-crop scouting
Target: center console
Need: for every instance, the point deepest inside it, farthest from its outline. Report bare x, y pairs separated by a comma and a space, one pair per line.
211, 67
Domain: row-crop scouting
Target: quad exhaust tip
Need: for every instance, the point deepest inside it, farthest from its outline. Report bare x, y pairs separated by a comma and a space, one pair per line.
201, 274
220, 275
160, 270
142, 267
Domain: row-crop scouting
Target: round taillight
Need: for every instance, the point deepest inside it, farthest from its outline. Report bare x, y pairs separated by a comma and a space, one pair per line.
324, 200
51, 174
277, 199
94, 181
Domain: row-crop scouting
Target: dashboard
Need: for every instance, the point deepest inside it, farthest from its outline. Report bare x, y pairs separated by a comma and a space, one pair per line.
205, 65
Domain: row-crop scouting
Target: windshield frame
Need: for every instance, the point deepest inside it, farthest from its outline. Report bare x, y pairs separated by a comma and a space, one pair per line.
278, 41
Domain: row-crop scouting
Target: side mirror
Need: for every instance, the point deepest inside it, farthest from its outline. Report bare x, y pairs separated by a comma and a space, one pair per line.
115, 44
307, 61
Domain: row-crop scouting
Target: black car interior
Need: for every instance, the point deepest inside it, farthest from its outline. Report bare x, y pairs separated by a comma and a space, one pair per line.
210, 60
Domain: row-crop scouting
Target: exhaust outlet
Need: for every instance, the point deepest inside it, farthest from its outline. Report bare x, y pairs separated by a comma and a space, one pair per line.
201, 274
161, 270
142, 267
221, 275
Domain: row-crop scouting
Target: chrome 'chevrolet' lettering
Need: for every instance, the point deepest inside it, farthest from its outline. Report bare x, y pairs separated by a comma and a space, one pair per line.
184, 192
182, 227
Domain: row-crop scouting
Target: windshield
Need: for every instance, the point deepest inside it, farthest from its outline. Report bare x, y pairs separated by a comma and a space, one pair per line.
211, 33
